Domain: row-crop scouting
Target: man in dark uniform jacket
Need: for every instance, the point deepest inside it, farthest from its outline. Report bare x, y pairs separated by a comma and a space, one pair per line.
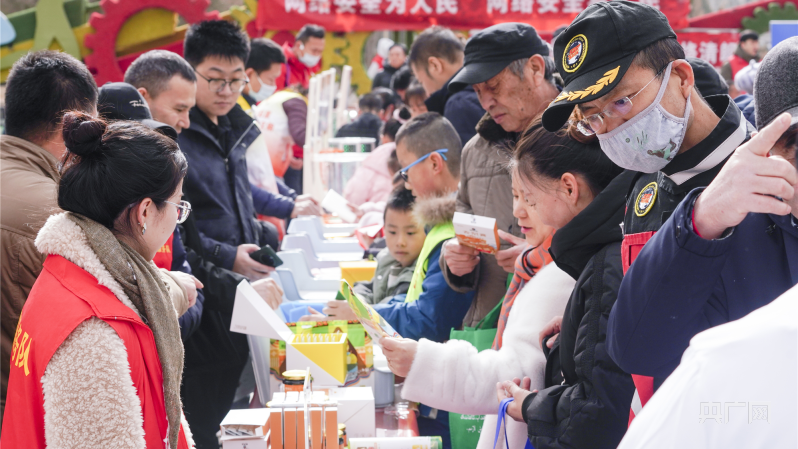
627, 75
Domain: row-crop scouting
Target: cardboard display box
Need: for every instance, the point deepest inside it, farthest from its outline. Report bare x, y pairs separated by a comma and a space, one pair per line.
355, 409
361, 270
480, 233
251, 315
246, 429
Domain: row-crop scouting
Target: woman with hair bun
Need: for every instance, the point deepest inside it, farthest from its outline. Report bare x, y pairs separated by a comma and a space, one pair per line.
97, 358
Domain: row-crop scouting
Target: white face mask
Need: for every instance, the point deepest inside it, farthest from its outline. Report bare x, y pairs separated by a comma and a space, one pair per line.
265, 91
651, 139
309, 60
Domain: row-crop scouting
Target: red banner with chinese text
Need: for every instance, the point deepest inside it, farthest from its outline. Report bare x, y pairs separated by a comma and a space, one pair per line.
375, 15
713, 46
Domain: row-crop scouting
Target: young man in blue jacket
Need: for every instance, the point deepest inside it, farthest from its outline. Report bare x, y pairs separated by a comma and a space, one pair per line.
428, 148
729, 248
169, 86
215, 144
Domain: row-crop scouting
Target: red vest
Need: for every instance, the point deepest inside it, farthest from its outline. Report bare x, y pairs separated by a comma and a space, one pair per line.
737, 63
163, 258
64, 296
644, 385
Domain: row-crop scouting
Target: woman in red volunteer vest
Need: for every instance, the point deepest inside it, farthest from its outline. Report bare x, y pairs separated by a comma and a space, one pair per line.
97, 358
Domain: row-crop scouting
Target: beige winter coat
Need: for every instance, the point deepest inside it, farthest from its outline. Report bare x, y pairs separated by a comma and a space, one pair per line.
485, 189
87, 383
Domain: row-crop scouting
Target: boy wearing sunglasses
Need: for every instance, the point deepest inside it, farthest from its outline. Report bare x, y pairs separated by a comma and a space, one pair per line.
627, 75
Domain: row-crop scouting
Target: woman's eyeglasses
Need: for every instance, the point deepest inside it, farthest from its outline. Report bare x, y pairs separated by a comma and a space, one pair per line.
183, 209
403, 172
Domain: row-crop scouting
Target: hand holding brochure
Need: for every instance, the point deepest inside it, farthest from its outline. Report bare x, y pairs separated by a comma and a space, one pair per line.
375, 325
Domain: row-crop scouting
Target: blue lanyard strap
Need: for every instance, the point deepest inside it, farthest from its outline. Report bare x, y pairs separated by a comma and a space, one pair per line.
502, 419
502, 413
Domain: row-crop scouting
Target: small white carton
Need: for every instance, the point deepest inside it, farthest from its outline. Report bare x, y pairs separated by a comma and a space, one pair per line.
480, 233
246, 429
356, 410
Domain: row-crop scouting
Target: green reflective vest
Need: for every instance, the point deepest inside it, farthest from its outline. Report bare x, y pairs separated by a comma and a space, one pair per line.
435, 236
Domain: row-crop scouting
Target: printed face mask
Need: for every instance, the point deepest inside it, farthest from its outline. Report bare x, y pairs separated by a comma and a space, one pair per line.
265, 91
651, 139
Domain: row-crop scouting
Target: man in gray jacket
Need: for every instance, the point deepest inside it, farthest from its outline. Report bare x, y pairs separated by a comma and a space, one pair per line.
509, 68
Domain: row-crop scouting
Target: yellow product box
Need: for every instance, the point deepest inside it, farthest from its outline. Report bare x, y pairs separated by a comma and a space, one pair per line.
361, 270
327, 351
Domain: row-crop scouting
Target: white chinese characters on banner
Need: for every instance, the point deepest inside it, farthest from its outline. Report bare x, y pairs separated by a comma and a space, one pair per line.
573, 6
396, 7
727, 49
295, 5
708, 51
400, 7
716, 52
548, 6
345, 6
522, 6
690, 49
373, 7
446, 6
421, 5
370, 6
499, 6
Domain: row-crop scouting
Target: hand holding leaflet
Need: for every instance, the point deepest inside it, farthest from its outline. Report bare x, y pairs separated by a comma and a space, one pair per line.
375, 325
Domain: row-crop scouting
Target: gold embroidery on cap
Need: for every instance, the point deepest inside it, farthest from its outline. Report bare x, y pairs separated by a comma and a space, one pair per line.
603, 82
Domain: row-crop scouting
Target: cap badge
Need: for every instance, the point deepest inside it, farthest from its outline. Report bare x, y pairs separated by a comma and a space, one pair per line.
575, 53
604, 81
645, 200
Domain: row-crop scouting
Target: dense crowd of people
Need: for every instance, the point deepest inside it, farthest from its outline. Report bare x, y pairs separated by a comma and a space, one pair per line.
647, 207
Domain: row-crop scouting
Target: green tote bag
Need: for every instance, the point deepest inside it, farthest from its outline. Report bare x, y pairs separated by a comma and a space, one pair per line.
465, 429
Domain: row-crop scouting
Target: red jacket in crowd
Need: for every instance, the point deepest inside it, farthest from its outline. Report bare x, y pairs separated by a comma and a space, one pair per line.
294, 71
